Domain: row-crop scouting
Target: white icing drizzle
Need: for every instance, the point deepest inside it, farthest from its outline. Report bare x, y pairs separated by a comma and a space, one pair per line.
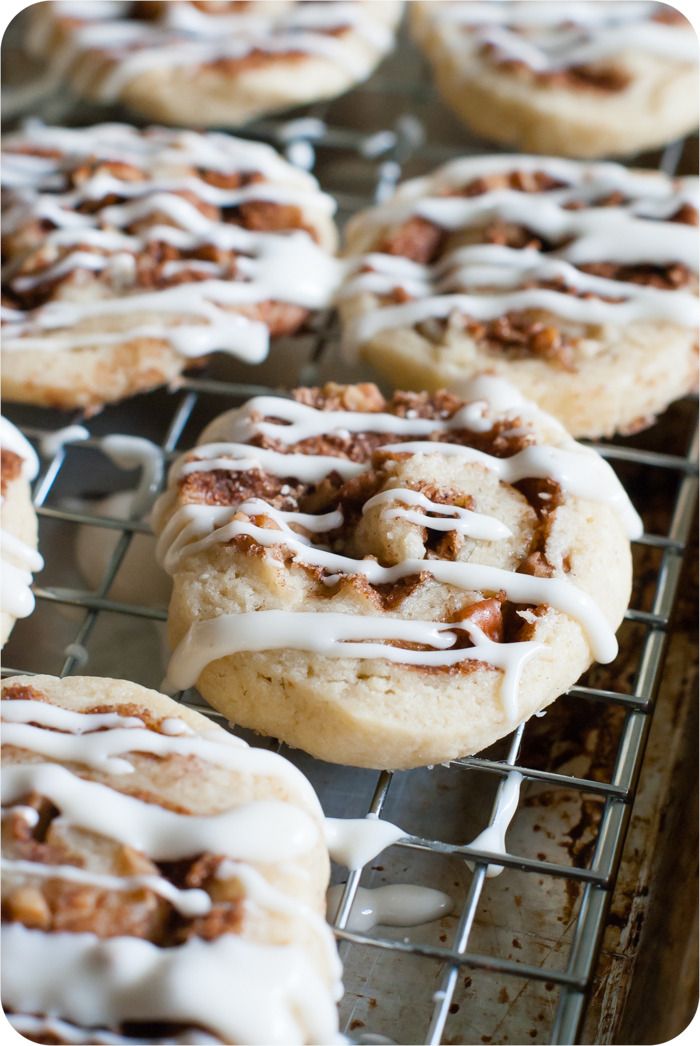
554, 36
493, 838
188, 902
53, 716
72, 736
557, 592
354, 841
462, 520
16, 596
265, 830
241, 456
194, 317
188, 38
485, 281
344, 636
258, 891
279, 997
19, 560
400, 904
27, 813
576, 469
174, 727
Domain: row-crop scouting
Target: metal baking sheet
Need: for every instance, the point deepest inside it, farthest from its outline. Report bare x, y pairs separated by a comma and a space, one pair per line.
515, 960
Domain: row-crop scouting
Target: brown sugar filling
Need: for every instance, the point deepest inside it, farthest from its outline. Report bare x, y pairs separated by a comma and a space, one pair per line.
151, 263
505, 438
519, 334
606, 79
152, 11
10, 468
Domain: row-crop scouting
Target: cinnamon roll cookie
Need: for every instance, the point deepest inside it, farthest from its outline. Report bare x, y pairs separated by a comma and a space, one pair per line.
162, 881
577, 79
133, 253
18, 537
391, 583
213, 64
577, 282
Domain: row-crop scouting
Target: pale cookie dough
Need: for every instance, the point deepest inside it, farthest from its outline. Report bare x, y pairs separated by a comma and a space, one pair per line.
18, 538
576, 79
577, 282
162, 881
131, 254
213, 64
391, 584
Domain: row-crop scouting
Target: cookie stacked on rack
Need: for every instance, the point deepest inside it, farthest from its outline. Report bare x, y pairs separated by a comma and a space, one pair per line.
132, 254
384, 579
576, 79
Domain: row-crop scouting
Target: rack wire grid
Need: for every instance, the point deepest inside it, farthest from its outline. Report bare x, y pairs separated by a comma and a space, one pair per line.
360, 147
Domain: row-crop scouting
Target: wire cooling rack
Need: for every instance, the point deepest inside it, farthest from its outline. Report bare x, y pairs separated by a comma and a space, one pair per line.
451, 981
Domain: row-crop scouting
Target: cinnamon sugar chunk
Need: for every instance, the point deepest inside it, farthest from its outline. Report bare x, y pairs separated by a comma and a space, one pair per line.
536, 565
221, 487
666, 277
10, 468
364, 397
487, 615
223, 918
686, 214
417, 239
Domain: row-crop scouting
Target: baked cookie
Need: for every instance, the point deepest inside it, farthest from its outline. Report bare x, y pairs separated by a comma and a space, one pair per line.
391, 584
18, 537
213, 64
162, 881
133, 253
581, 79
576, 282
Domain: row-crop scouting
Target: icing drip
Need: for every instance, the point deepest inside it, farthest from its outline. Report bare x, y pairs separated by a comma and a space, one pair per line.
19, 560
555, 36
402, 904
130, 452
485, 281
493, 838
195, 317
355, 841
279, 997
55, 441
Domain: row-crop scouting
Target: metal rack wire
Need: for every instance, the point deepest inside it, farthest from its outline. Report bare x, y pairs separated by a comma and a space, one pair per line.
373, 166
